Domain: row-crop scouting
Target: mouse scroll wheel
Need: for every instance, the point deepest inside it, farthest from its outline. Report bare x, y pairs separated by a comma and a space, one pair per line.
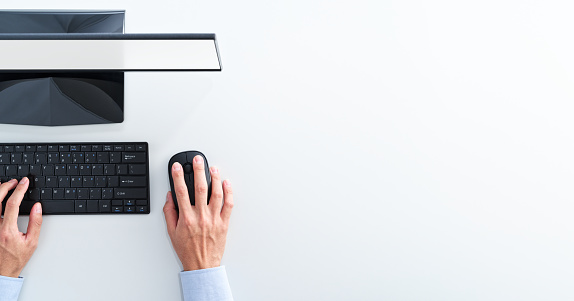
187, 168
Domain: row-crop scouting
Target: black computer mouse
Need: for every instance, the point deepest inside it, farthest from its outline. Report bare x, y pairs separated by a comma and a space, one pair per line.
186, 161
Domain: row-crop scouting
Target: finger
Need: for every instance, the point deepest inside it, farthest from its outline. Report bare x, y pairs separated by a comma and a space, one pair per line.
228, 203
34, 224
180, 190
13, 203
170, 215
200, 183
4, 189
216, 199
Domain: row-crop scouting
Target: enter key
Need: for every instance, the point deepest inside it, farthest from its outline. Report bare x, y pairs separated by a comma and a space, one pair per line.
133, 181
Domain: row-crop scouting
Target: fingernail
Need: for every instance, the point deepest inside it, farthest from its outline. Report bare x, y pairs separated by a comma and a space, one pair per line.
24, 181
226, 183
198, 159
214, 169
39, 208
176, 166
13, 180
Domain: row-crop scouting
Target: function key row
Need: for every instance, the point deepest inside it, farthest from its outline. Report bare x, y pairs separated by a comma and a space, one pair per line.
72, 157
73, 148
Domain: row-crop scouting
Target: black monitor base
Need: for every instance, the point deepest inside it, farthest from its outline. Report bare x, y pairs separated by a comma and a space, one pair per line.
55, 99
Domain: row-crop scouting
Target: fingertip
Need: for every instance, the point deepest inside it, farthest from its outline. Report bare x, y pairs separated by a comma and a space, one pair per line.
38, 208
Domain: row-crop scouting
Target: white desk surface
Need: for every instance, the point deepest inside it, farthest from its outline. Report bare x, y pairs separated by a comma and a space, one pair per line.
379, 150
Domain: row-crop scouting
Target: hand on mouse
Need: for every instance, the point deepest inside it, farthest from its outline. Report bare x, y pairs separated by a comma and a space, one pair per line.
199, 232
16, 248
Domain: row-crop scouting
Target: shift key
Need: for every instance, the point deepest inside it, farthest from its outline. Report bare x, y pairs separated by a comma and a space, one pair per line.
130, 193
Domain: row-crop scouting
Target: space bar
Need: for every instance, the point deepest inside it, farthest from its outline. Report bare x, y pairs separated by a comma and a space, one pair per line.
53, 206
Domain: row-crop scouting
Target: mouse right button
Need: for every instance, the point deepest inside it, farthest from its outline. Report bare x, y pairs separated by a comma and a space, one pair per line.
190, 188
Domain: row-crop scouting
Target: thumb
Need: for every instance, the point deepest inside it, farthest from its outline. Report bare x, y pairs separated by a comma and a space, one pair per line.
35, 223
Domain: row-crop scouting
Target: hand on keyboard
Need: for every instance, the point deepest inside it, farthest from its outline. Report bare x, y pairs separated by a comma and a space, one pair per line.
16, 248
198, 234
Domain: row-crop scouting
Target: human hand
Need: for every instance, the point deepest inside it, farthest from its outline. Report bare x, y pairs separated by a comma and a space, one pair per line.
16, 248
199, 232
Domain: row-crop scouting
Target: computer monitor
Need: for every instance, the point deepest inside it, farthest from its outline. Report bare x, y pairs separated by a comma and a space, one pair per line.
52, 78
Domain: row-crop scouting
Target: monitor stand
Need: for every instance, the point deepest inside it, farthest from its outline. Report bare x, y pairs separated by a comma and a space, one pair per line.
56, 98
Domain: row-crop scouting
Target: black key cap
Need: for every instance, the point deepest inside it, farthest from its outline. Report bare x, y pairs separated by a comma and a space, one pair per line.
73, 170
47, 170
101, 182
98, 169
122, 169
137, 169
39, 182
64, 148
141, 202
107, 193
89, 181
34, 194
41, 158
128, 181
130, 193
142, 209
42, 148
19, 148
52, 181
129, 203
95, 193
83, 193
103, 157
109, 169
70, 193
23, 170
78, 157
58, 193
52, 148
66, 158
137, 157
108, 148
90, 158
85, 169
64, 181
93, 205
46, 193
118, 148
60, 169
117, 209
81, 206
85, 148
28, 158
36, 170
11, 170
59, 206
129, 209
16, 158
2, 172
8, 148
53, 158
96, 148
115, 158
74, 148
26, 207
130, 148
4, 158
114, 181
117, 202
141, 147
76, 181
105, 206
30, 148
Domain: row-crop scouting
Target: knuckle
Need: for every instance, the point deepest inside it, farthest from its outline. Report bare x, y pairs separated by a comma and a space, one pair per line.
217, 194
180, 190
201, 188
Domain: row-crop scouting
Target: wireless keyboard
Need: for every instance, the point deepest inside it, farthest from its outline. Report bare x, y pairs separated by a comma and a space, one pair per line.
80, 178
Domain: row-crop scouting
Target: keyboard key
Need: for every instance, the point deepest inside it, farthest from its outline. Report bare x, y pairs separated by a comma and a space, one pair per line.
4, 158
41, 158
129, 181
142, 209
137, 169
141, 202
116, 157
73, 170
96, 148
118, 148
58, 206
117, 209
16, 158
141, 147
137, 157
30, 148
105, 206
76, 181
109, 169
101, 181
58, 193
60, 169
89, 181
130, 209
81, 206
117, 202
70, 193
122, 169
64, 148
83, 193
107, 193
130, 193
74, 148
42, 148
98, 169
103, 157
95, 193
129, 203
93, 205
46, 193
114, 181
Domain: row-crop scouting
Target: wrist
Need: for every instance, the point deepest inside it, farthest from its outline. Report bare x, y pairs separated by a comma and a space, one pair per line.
11, 274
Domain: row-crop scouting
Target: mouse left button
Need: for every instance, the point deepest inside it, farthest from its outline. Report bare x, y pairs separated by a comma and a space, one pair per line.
181, 158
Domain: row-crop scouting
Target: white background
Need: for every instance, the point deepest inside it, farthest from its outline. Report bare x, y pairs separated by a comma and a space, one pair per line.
379, 150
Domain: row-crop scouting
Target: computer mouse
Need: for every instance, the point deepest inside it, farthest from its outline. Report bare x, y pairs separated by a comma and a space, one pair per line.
186, 161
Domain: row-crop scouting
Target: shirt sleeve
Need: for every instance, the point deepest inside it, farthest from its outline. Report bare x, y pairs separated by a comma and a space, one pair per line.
10, 288
206, 285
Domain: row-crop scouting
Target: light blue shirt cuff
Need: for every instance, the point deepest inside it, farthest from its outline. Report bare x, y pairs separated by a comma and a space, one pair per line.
206, 285
10, 288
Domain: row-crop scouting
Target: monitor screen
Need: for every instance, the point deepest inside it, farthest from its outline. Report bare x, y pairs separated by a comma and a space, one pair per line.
108, 52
